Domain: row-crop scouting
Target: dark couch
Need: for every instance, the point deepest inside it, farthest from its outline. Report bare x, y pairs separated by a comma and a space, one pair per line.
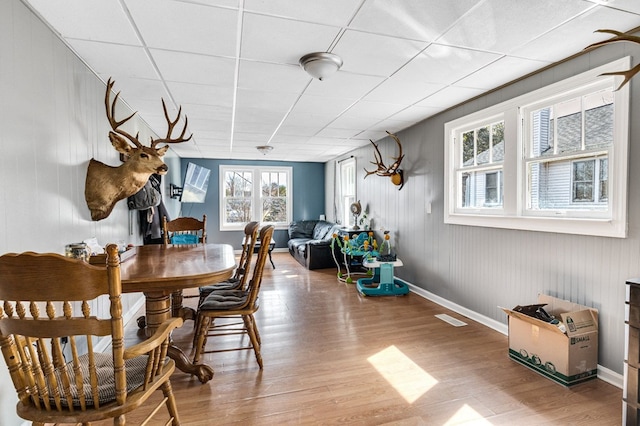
310, 243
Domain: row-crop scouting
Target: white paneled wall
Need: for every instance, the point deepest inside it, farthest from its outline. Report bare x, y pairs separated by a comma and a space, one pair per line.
52, 121
480, 269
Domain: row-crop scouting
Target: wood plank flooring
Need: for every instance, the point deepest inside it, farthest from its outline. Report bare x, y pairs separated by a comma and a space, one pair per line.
332, 356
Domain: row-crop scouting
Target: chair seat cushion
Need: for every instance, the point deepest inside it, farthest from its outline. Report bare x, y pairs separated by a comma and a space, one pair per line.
230, 284
224, 299
135, 371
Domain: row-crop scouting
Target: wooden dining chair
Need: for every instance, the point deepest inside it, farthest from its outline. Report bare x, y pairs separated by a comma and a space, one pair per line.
233, 303
239, 278
183, 231
47, 335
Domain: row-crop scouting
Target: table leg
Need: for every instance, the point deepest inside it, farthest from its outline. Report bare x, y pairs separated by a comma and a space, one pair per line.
158, 310
178, 310
270, 259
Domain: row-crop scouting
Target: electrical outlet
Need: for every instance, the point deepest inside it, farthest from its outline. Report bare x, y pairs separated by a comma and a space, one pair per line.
64, 340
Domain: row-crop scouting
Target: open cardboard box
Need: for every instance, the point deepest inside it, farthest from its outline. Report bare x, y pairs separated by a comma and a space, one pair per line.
566, 358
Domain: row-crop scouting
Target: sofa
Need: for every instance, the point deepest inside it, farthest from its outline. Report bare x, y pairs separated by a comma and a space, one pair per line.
310, 243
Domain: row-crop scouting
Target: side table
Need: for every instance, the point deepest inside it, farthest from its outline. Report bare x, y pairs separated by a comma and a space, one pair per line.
256, 247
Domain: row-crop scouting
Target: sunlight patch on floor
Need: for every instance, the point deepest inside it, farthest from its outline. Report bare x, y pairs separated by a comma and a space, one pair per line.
467, 415
407, 378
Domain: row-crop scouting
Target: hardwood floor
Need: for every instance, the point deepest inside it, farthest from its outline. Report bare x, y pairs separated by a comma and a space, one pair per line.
332, 356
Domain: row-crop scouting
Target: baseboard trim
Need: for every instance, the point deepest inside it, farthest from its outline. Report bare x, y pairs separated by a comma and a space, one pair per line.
604, 373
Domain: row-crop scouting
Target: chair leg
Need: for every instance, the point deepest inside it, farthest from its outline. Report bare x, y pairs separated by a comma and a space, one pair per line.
250, 322
254, 339
200, 337
167, 391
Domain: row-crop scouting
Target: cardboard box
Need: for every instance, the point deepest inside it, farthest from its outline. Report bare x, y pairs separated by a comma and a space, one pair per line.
566, 358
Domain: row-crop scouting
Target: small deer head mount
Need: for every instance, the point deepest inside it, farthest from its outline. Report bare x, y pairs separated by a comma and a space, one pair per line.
106, 185
619, 36
393, 171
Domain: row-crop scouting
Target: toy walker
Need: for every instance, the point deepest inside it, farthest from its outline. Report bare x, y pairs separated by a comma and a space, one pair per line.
382, 283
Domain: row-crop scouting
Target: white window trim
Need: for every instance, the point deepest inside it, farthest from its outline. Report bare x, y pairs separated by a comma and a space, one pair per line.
256, 195
513, 215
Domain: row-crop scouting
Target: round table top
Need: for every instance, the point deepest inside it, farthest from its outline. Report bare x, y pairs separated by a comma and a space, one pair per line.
158, 268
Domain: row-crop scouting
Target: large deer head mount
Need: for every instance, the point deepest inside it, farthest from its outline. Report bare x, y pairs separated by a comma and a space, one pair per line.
106, 185
393, 171
619, 36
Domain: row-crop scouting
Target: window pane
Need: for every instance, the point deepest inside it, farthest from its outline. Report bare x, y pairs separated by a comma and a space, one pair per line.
274, 210
481, 189
467, 148
238, 184
482, 149
598, 121
569, 122
542, 132
497, 142
604, 180
274, 191
237, 210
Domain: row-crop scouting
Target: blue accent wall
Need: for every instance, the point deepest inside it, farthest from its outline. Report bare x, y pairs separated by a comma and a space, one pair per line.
308, 197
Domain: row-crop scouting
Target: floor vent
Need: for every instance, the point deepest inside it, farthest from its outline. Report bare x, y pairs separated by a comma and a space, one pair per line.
451, 320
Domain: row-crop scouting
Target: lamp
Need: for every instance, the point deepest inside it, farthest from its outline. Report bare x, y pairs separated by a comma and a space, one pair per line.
264, 149
320, 64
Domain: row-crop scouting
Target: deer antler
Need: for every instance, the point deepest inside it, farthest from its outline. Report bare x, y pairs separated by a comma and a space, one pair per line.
111, 110
393, 170
171, 125
383, 170
618, 36
381, 167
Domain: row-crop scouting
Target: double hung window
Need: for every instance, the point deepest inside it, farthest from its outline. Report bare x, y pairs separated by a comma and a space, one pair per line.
551, 160
262, 194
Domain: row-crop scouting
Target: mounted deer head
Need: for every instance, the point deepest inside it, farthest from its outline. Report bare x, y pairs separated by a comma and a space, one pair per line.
618, 36
106, 185
393, 171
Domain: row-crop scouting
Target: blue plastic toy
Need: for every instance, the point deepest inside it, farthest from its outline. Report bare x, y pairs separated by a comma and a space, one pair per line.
383, 283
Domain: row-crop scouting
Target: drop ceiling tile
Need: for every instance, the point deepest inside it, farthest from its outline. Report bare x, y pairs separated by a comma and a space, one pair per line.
201, 94
449, 97
214, 130
414, 19
502, 71
283, 41
274, 102
336, 132
415, 113
502, 25
373, 54
85, 19
322, 105
344, 85
193, 68
578, 33
272, 77
202, 113
139, 88
627, 5
193, 27
353, 121
331, 12
115, 59
373, 110
402, 91
444, 65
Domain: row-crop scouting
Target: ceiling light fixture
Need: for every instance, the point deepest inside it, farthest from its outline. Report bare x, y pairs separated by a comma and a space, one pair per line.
264, 149
320, 64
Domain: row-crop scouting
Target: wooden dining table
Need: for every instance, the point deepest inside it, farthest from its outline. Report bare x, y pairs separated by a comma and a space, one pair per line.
157, 271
